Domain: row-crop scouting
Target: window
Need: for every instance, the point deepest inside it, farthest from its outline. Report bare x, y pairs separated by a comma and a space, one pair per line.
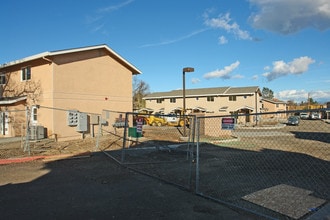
34, 114
26, 73
172, 100
223, 109
160, 100
210, 99
232, 98
2, 78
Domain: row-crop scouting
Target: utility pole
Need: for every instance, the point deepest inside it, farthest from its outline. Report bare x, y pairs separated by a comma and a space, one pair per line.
308, 101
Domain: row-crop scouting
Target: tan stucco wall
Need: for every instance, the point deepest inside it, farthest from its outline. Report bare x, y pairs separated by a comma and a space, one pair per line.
272, 107
16, 120
38, 88
89, 81
191, 102
89, 86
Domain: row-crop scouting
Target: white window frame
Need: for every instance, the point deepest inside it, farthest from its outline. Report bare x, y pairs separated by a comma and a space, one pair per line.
26, 73
34, 115
2, 78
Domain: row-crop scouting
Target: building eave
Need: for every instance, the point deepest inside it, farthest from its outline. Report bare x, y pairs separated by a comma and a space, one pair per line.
9, 101
245, 107
198, 95
48, 54
273, 101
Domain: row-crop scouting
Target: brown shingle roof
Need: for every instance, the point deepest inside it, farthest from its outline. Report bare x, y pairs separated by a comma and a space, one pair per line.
274, 100
216, 91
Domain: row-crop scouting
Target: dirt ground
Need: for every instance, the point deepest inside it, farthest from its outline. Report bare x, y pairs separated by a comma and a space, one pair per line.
96, 187
73, 179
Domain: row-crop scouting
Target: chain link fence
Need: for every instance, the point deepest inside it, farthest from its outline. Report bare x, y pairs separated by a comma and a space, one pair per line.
27, 137
272, 168
159, 146
12, 122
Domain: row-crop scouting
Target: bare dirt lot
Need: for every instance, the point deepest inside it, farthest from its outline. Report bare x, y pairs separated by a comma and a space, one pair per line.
254, 159
93, 186
62, 185
97, 188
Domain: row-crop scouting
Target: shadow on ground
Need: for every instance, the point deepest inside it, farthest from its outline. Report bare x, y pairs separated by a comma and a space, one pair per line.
97, 188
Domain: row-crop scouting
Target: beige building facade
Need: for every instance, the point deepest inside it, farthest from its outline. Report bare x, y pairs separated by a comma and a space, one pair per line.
215, 101
274, 105
42, 88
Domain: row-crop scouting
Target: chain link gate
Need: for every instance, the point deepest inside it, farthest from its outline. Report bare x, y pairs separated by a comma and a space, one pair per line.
158, 149
276, 171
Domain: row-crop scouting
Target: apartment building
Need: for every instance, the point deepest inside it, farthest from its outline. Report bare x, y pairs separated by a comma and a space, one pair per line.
87, 79
216, 101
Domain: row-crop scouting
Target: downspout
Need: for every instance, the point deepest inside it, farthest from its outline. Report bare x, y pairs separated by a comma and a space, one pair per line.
53, 113
52, 93
49, 60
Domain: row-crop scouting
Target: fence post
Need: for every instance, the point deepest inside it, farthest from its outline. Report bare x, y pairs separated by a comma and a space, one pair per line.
190, 151
27, 138
124, 138
98, 133
197, 156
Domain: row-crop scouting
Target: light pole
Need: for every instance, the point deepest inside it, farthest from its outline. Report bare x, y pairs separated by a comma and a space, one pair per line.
186, 69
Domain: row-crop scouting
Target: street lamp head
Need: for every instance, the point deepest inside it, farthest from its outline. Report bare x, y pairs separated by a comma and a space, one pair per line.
188, 69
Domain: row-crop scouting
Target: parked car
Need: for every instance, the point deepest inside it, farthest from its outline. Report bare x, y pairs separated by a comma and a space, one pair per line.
293, 120
315, 115
304, 115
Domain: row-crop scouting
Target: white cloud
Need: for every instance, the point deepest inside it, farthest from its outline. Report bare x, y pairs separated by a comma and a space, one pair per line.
295, 67
195, 80
225, 22
224, 73
174, 40
237, 76
92, 19
266, 68
115, 7
302, 95
255, 77
95, 20
296, 95
97, 28
290, 16
223, 40
320, 95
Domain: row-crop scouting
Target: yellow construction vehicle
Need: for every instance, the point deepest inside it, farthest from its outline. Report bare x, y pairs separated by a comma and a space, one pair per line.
176, 120
154, 120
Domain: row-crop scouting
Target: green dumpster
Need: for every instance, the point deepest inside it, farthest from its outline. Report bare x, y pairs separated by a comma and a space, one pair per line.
132, 132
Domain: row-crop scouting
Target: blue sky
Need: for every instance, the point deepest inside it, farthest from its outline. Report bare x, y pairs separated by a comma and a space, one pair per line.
283, 45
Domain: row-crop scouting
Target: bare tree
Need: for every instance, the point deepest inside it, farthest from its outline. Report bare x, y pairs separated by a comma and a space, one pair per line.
14, 89
11, 88
140, 90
